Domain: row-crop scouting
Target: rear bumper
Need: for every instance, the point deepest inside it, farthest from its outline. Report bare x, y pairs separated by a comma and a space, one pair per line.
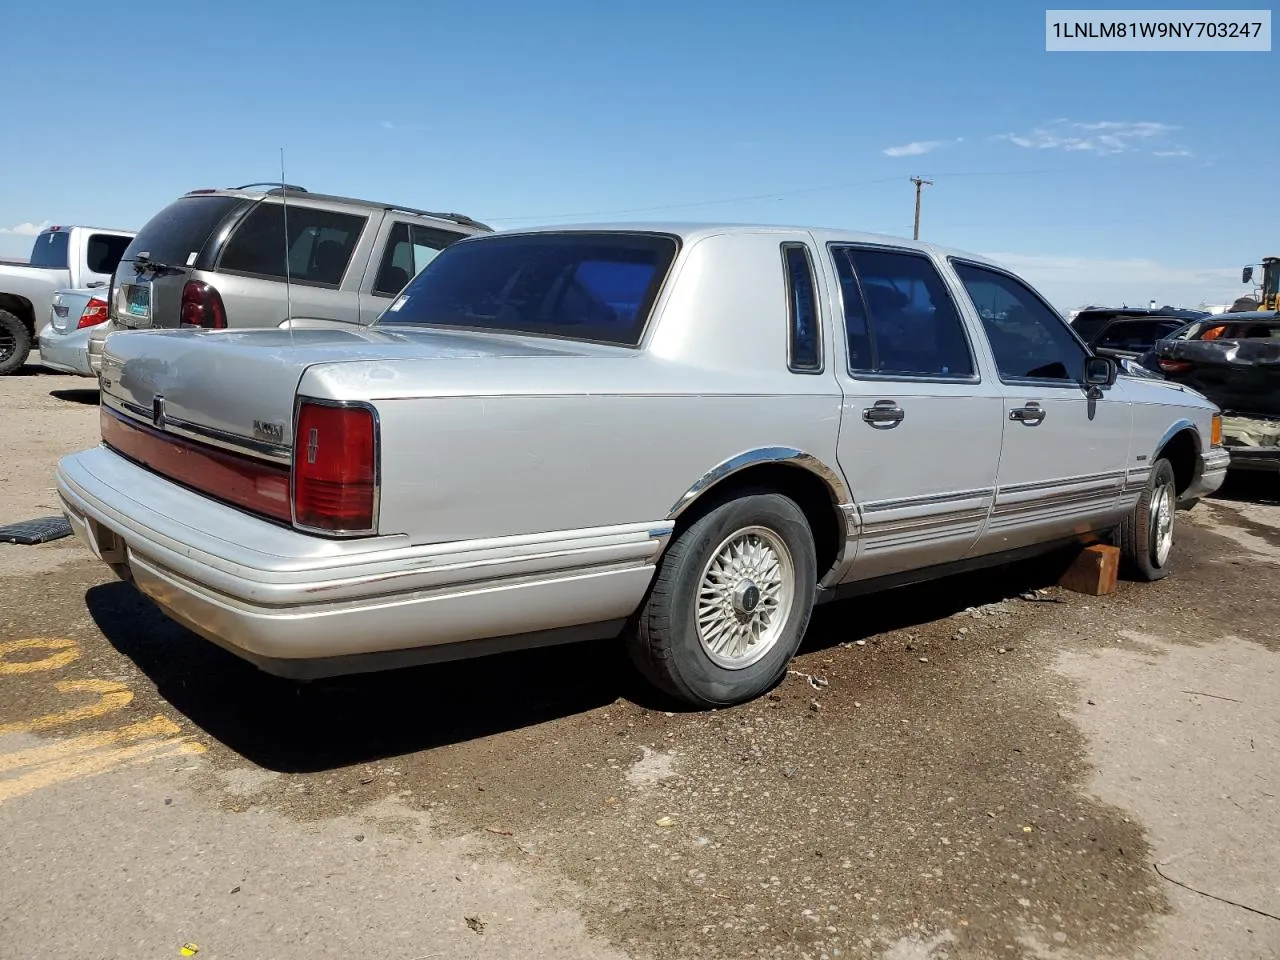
67, 351
1210, 476
305, 606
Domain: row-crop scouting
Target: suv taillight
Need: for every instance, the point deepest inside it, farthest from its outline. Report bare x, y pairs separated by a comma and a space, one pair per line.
202, 306
94, 313
335, 451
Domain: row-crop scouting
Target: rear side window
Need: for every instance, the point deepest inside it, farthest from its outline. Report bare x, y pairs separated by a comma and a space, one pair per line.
900, 321
410, 247
178, 233
104, 250
320, 244
1136, 334
50, 250
802, 302
585, 286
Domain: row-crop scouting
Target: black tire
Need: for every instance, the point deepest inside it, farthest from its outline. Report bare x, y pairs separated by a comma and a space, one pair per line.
15, 342
665, 643
1138, 536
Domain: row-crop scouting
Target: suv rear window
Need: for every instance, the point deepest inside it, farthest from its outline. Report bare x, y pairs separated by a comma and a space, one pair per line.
585, 286
321, 243
181, 229
50, 250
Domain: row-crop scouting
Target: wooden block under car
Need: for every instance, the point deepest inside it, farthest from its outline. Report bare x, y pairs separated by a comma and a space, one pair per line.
1094, 571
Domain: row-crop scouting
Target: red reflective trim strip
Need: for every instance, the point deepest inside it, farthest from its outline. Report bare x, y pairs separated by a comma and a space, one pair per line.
252, 485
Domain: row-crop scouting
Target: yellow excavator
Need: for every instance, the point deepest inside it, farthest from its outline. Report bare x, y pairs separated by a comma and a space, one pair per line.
1268, 297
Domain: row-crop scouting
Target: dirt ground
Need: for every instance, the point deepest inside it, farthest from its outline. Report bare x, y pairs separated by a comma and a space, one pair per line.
985, 767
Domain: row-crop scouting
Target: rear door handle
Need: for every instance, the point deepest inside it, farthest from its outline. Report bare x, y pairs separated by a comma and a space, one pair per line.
884, 412
1032, 414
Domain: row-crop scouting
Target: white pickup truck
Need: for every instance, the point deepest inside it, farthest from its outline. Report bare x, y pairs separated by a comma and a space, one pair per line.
61, 258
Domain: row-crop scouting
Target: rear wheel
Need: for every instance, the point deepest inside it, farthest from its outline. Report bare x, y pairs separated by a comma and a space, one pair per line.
1146, 536
730, 602
15, 342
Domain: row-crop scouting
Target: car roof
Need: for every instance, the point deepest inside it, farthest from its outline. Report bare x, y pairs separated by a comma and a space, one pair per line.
1142, 313
248, 192
690, 232
1244, 315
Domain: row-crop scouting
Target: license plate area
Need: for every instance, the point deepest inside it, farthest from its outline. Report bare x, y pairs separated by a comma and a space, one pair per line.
135, 307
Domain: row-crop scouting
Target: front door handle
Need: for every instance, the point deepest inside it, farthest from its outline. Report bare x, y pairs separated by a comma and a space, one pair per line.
1032, 414
884, 412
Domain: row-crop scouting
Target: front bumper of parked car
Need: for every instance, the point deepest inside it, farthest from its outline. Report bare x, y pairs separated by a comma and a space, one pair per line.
1210, 475
304, 606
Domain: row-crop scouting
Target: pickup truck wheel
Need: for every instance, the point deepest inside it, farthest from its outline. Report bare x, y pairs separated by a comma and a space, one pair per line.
730, 602
1146, 536
15, 342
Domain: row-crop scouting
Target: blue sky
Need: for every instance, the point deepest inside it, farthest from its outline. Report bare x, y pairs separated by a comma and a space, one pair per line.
1101, 176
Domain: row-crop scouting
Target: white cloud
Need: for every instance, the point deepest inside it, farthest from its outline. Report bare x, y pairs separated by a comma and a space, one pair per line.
1101, 137
1070, 282
915, 148
388, 125
1179, 152
25, 229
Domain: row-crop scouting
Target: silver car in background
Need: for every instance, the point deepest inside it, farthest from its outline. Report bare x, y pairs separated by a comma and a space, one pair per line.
64, 338
679, 436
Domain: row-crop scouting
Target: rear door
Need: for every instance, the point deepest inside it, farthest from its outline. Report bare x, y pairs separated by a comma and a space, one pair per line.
1065, 452
158, 262
318, 280
404, 248
921, 427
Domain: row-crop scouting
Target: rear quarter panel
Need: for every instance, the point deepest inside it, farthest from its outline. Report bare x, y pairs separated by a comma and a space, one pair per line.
522, 445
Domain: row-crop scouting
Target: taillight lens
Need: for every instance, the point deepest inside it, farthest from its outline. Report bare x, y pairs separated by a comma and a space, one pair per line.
335, 468
1174, 366
94, 313
202, 306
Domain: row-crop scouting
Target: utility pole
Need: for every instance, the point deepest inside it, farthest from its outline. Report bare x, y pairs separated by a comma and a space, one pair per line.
919, 182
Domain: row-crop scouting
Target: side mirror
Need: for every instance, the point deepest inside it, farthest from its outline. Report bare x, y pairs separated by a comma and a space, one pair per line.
1246, 275
1100, 372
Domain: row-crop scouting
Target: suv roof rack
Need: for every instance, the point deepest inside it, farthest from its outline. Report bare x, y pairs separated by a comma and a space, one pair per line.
460, 218
271, 183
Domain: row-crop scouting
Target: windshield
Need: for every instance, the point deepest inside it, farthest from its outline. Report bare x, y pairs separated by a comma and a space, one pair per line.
1271, 279
586, 286
1238, 330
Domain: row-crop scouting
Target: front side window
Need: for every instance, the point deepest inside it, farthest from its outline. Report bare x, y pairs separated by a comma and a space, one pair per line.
320, 244
900, 321
1029, 339
410, 247
802, 302
584, 286
104, 251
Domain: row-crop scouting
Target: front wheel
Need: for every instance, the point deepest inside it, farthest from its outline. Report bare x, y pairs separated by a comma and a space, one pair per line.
1146, 536
730, 602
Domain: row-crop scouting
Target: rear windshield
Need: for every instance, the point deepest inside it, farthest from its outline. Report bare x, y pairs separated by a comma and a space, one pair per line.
50, 250
585, 286
181, 229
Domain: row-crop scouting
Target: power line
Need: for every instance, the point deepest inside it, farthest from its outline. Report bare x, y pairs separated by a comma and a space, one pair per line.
774, 195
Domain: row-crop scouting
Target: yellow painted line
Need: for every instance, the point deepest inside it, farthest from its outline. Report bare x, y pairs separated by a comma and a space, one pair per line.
88, 743
98, 761
112, 696
65, 651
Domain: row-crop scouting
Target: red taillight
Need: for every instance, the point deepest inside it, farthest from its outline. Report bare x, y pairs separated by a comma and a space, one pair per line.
1174, 366
334, 468
94, 312
202, 306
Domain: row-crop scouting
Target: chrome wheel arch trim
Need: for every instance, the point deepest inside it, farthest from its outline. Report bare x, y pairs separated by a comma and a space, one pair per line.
786, 456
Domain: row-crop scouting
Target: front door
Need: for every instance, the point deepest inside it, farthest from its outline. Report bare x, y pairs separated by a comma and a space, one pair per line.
920, 429
1066, 448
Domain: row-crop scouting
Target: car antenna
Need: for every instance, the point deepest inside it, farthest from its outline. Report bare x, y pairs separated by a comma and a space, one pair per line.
288, 280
